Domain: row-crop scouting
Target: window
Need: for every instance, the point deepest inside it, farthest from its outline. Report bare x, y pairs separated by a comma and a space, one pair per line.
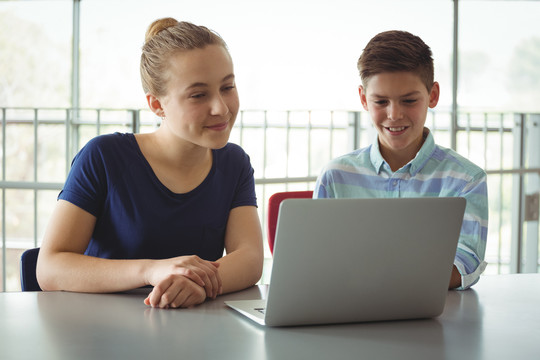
295, 63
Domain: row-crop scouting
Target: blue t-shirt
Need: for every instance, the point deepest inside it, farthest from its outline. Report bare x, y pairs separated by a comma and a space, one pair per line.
138, 217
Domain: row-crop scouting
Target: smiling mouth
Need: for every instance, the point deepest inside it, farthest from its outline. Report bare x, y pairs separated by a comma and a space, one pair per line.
220, 126
396, 129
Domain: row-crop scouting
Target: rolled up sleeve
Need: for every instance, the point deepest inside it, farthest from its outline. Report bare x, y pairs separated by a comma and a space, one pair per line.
471, 249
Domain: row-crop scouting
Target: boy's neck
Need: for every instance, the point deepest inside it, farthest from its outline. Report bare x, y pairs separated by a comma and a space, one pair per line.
397, 159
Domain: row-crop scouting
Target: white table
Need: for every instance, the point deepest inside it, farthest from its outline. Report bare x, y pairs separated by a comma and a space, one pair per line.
498, 319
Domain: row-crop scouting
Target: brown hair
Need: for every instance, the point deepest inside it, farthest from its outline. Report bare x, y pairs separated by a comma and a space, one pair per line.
394, 51
164, 38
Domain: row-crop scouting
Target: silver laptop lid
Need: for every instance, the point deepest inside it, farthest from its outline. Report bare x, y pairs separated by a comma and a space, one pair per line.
349, 260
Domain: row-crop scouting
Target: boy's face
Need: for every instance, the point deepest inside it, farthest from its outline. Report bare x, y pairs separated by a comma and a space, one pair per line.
397, 103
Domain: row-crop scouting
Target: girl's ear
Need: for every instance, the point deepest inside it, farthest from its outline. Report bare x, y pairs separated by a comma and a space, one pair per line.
155, 105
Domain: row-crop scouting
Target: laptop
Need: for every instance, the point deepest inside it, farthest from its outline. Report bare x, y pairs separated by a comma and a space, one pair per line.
359, 260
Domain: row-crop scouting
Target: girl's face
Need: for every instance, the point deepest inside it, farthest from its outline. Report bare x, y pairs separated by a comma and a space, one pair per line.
398, 103
201, 103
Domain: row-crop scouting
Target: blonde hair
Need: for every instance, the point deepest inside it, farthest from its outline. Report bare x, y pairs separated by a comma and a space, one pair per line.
163, 39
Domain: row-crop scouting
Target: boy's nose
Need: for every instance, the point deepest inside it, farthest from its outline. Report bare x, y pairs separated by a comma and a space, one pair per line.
394, 112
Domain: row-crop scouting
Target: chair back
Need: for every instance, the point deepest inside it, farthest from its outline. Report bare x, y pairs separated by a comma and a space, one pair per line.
28, 270
273, 210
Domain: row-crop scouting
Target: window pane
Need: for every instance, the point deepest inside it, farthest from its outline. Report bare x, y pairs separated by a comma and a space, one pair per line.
20, 148
499, 50
51, 152
287, 54
38, 36
19, 232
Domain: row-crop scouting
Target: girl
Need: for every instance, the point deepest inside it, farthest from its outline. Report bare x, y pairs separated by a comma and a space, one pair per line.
160, 208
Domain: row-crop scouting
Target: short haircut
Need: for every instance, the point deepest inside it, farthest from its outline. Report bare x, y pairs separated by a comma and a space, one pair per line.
396, 51
164, 38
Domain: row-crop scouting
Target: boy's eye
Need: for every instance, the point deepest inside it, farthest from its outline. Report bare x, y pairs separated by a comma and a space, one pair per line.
380, 102
409, 101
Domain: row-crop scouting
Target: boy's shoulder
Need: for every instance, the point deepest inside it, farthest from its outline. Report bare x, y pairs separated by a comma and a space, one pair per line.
355, 161
450, 158
358, 156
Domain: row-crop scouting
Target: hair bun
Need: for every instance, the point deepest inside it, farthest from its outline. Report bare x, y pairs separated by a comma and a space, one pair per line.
157, 26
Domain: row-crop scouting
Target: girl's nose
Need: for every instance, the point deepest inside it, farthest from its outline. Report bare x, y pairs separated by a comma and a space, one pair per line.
219, 106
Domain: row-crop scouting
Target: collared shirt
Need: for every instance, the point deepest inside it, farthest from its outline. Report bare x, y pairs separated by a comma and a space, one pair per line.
434, 172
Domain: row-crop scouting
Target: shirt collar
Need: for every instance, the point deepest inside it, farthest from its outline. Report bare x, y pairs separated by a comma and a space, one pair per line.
375, 155
412, 166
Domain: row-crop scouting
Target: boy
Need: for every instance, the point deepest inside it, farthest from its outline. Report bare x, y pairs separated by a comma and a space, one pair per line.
396, 69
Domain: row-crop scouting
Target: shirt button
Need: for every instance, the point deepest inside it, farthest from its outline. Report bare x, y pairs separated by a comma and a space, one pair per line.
394, 183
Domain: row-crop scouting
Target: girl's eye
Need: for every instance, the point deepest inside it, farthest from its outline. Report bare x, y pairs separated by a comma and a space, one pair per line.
197, 96
228, 88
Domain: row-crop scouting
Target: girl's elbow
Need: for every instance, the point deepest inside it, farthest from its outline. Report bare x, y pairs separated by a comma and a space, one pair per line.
258, 265
45, 279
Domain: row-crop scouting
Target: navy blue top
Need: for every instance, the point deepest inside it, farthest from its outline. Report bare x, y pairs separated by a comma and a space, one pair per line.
138, 217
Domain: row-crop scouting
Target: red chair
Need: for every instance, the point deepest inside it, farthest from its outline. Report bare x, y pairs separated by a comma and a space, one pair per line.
273, 210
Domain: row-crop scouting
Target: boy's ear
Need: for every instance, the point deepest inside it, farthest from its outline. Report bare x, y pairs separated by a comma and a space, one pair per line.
155, 105
363, 99
434, 95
